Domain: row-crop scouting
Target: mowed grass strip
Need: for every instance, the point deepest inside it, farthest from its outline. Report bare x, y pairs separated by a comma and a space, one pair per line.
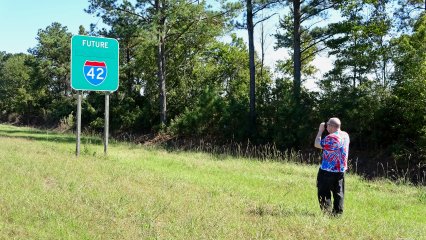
139, 192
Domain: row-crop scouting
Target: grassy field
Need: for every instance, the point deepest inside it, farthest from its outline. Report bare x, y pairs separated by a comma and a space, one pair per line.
139, 192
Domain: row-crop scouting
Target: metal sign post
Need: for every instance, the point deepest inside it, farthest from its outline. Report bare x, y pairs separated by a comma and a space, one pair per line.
77, 149
106, 130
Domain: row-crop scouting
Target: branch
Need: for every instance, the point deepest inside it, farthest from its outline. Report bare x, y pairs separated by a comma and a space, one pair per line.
315, 23
152, 2
316, 13
264, 6
316, 42
406, 14
221, 14
132, 13
179, 35
241, 26
311, 6
254, 25
312, 54
259, 9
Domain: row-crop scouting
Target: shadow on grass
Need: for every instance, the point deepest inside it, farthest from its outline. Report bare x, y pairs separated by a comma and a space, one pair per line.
278, 211
46, 136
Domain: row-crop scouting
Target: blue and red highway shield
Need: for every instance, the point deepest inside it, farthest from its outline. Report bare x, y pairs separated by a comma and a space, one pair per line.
95, 72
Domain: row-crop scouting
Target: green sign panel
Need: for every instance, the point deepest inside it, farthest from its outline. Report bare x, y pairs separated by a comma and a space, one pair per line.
94, 63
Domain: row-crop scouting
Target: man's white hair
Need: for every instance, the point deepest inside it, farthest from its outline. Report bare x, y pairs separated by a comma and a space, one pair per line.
335, 121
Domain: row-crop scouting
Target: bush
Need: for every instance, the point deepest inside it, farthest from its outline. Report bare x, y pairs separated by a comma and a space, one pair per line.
66, 123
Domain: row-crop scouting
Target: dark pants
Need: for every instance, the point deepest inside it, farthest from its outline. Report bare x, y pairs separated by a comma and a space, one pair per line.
331, 183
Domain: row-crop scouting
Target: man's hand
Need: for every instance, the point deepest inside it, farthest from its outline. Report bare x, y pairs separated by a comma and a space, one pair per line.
321, 129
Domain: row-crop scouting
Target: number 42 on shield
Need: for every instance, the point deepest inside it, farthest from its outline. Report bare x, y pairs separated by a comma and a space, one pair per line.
95, 72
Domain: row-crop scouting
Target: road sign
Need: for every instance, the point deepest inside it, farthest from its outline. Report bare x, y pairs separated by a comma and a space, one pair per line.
94, 63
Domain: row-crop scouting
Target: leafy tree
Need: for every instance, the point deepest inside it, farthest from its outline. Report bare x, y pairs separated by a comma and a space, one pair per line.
168, 23
302, 31
126, 103
405, 112
218, 106
408, 12
51, 72
253, 7
15, 85
357, 88
53, 59
222, 70
288, 124
3, 56
303, 35
360, 45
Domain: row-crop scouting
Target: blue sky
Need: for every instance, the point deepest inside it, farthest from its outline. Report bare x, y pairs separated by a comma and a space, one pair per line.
21, 19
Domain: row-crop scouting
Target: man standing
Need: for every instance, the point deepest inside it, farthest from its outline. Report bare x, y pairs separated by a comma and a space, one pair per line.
331, 175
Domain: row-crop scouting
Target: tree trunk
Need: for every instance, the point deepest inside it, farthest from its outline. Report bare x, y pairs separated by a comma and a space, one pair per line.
355, 64
250, 28
161, 60
262, 49
354, 77
297, 63
129, 70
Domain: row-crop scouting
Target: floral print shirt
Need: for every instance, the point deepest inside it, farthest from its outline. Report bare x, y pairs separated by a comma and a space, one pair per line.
335, 152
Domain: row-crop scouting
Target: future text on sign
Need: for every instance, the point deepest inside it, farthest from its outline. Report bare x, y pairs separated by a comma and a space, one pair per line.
95, 44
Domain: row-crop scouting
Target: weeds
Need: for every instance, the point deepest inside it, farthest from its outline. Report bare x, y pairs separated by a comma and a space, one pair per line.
415, 174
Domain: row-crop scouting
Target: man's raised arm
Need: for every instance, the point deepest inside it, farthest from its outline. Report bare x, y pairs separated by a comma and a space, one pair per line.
321, 128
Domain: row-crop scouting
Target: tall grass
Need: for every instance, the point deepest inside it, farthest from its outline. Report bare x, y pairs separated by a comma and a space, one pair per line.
139, 192
372, 168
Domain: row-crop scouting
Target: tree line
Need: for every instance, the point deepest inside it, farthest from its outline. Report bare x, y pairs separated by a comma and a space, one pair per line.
178, 76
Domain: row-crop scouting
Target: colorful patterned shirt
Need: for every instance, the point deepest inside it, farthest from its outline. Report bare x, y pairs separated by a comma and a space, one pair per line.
335, 152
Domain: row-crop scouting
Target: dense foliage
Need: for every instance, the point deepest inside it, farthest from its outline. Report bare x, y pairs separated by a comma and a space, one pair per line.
178, 75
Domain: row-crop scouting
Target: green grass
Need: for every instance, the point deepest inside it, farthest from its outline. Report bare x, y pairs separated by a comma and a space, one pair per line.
139, 192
